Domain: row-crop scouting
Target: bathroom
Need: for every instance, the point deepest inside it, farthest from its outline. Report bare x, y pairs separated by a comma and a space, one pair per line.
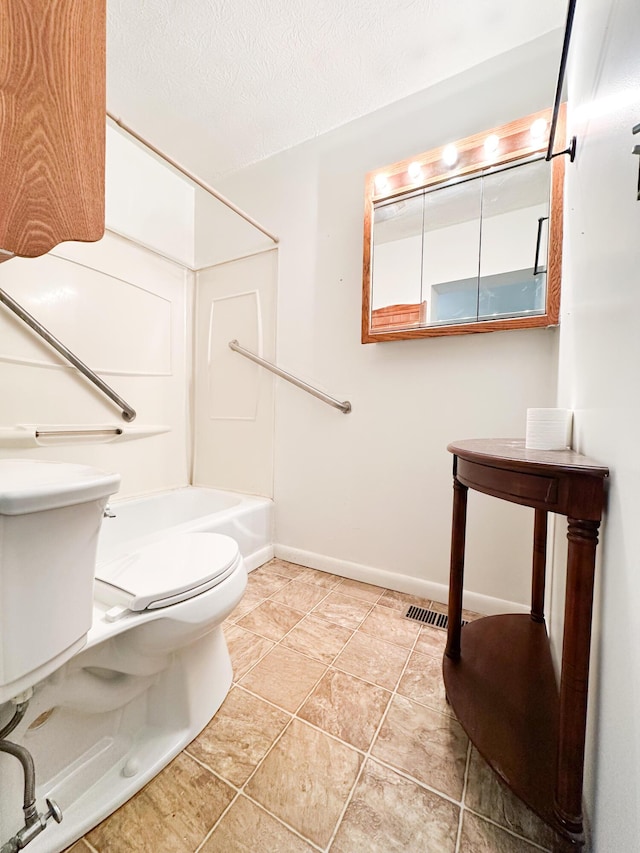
366, 495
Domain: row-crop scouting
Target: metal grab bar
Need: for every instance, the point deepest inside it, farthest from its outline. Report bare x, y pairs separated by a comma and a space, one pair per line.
128, 414
344, 406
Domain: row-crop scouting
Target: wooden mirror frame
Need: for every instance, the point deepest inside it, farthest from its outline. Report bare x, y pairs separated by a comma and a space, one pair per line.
515, 144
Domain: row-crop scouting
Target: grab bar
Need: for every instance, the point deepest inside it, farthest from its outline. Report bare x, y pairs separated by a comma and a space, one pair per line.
128, 414
344, 406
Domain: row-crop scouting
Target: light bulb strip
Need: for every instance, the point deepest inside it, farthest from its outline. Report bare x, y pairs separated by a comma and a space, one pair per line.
490, 148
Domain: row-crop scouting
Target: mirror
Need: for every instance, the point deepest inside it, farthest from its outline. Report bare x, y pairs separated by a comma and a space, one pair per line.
473, 248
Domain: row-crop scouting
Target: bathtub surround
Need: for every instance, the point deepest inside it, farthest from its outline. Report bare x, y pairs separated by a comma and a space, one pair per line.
125, 311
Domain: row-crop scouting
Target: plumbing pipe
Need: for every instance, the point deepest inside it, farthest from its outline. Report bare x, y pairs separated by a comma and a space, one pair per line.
24, 757
21, 710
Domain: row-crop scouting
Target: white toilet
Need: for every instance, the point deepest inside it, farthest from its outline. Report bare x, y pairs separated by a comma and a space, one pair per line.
125, 670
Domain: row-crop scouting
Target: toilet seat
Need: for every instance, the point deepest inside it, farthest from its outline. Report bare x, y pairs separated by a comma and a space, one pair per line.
168, 571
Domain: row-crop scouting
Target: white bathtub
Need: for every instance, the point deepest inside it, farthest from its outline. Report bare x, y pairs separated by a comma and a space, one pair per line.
139, 521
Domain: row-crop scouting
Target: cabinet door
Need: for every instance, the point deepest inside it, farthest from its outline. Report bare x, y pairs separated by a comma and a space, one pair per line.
451, 240
52, 123
514, 242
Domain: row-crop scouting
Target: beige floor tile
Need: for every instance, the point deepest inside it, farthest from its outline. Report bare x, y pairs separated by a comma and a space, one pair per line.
246, 828
469, 615
300, 596
249, 600
363, 591
245, 649
238, 736
317, 638
422, 681
479, 836
284, 678
324, 579
172, 814
283, 568
431, 747
78, 847
431, 641
305, 780
389, 625
265, 583
346, 707
390, 814
486, 795
372, 659
342, 609
270, 620
402, 600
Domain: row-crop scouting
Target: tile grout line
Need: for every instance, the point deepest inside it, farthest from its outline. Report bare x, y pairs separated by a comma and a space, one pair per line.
462, 798
240, 791
283, 823
368, 755
293, 716
506, 829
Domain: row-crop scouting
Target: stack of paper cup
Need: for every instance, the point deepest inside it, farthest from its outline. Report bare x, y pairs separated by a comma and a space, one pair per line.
548, 429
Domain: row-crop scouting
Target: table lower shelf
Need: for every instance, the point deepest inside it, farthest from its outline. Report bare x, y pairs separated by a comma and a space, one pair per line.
503, 691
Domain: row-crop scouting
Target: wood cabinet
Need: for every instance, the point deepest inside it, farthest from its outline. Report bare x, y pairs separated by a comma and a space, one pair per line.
52, 123
498, 671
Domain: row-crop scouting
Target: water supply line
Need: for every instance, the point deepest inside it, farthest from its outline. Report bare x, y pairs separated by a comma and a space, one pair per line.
34, 823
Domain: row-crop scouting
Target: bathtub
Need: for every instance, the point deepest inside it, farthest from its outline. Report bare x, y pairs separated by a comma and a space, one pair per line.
141, 521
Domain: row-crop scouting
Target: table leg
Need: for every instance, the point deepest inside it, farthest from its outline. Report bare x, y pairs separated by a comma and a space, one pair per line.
539, 565
456, 576
574, 680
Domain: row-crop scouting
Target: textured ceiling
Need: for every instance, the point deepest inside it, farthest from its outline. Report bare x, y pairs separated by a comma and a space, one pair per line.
220, 84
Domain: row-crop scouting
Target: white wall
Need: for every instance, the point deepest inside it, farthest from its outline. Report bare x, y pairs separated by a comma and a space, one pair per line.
123, 310
598, 379
369, 493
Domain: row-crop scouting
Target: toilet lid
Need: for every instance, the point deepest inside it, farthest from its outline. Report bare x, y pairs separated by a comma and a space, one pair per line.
170, 570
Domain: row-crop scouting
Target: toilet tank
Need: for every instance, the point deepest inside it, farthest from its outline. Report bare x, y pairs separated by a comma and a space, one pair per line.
50, 517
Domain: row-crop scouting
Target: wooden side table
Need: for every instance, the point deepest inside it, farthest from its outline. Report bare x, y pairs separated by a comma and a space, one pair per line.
498, 672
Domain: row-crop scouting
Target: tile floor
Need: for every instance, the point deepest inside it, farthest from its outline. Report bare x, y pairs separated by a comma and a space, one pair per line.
336, 736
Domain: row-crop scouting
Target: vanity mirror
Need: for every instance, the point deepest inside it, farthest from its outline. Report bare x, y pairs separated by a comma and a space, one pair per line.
466, 237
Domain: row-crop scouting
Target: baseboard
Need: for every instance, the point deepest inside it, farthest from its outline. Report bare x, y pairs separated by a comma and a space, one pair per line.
392, 580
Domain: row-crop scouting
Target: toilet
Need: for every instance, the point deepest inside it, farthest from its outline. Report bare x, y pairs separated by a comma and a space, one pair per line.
126, 661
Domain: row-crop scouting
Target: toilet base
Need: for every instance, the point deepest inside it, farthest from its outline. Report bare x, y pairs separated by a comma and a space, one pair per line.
91, 764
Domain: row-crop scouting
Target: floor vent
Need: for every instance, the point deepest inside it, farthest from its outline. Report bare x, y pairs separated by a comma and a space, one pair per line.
429, 617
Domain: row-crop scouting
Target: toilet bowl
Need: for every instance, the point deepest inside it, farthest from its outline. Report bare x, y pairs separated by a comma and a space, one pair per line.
140, 674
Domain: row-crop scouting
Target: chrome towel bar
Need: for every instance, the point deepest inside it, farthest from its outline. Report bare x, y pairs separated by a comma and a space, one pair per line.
344, 406
128, 414
64, 433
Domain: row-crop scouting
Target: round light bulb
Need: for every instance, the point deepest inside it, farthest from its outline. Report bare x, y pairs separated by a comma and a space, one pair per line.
415, 171
491, 144
450, 155
538, 128
382, 182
